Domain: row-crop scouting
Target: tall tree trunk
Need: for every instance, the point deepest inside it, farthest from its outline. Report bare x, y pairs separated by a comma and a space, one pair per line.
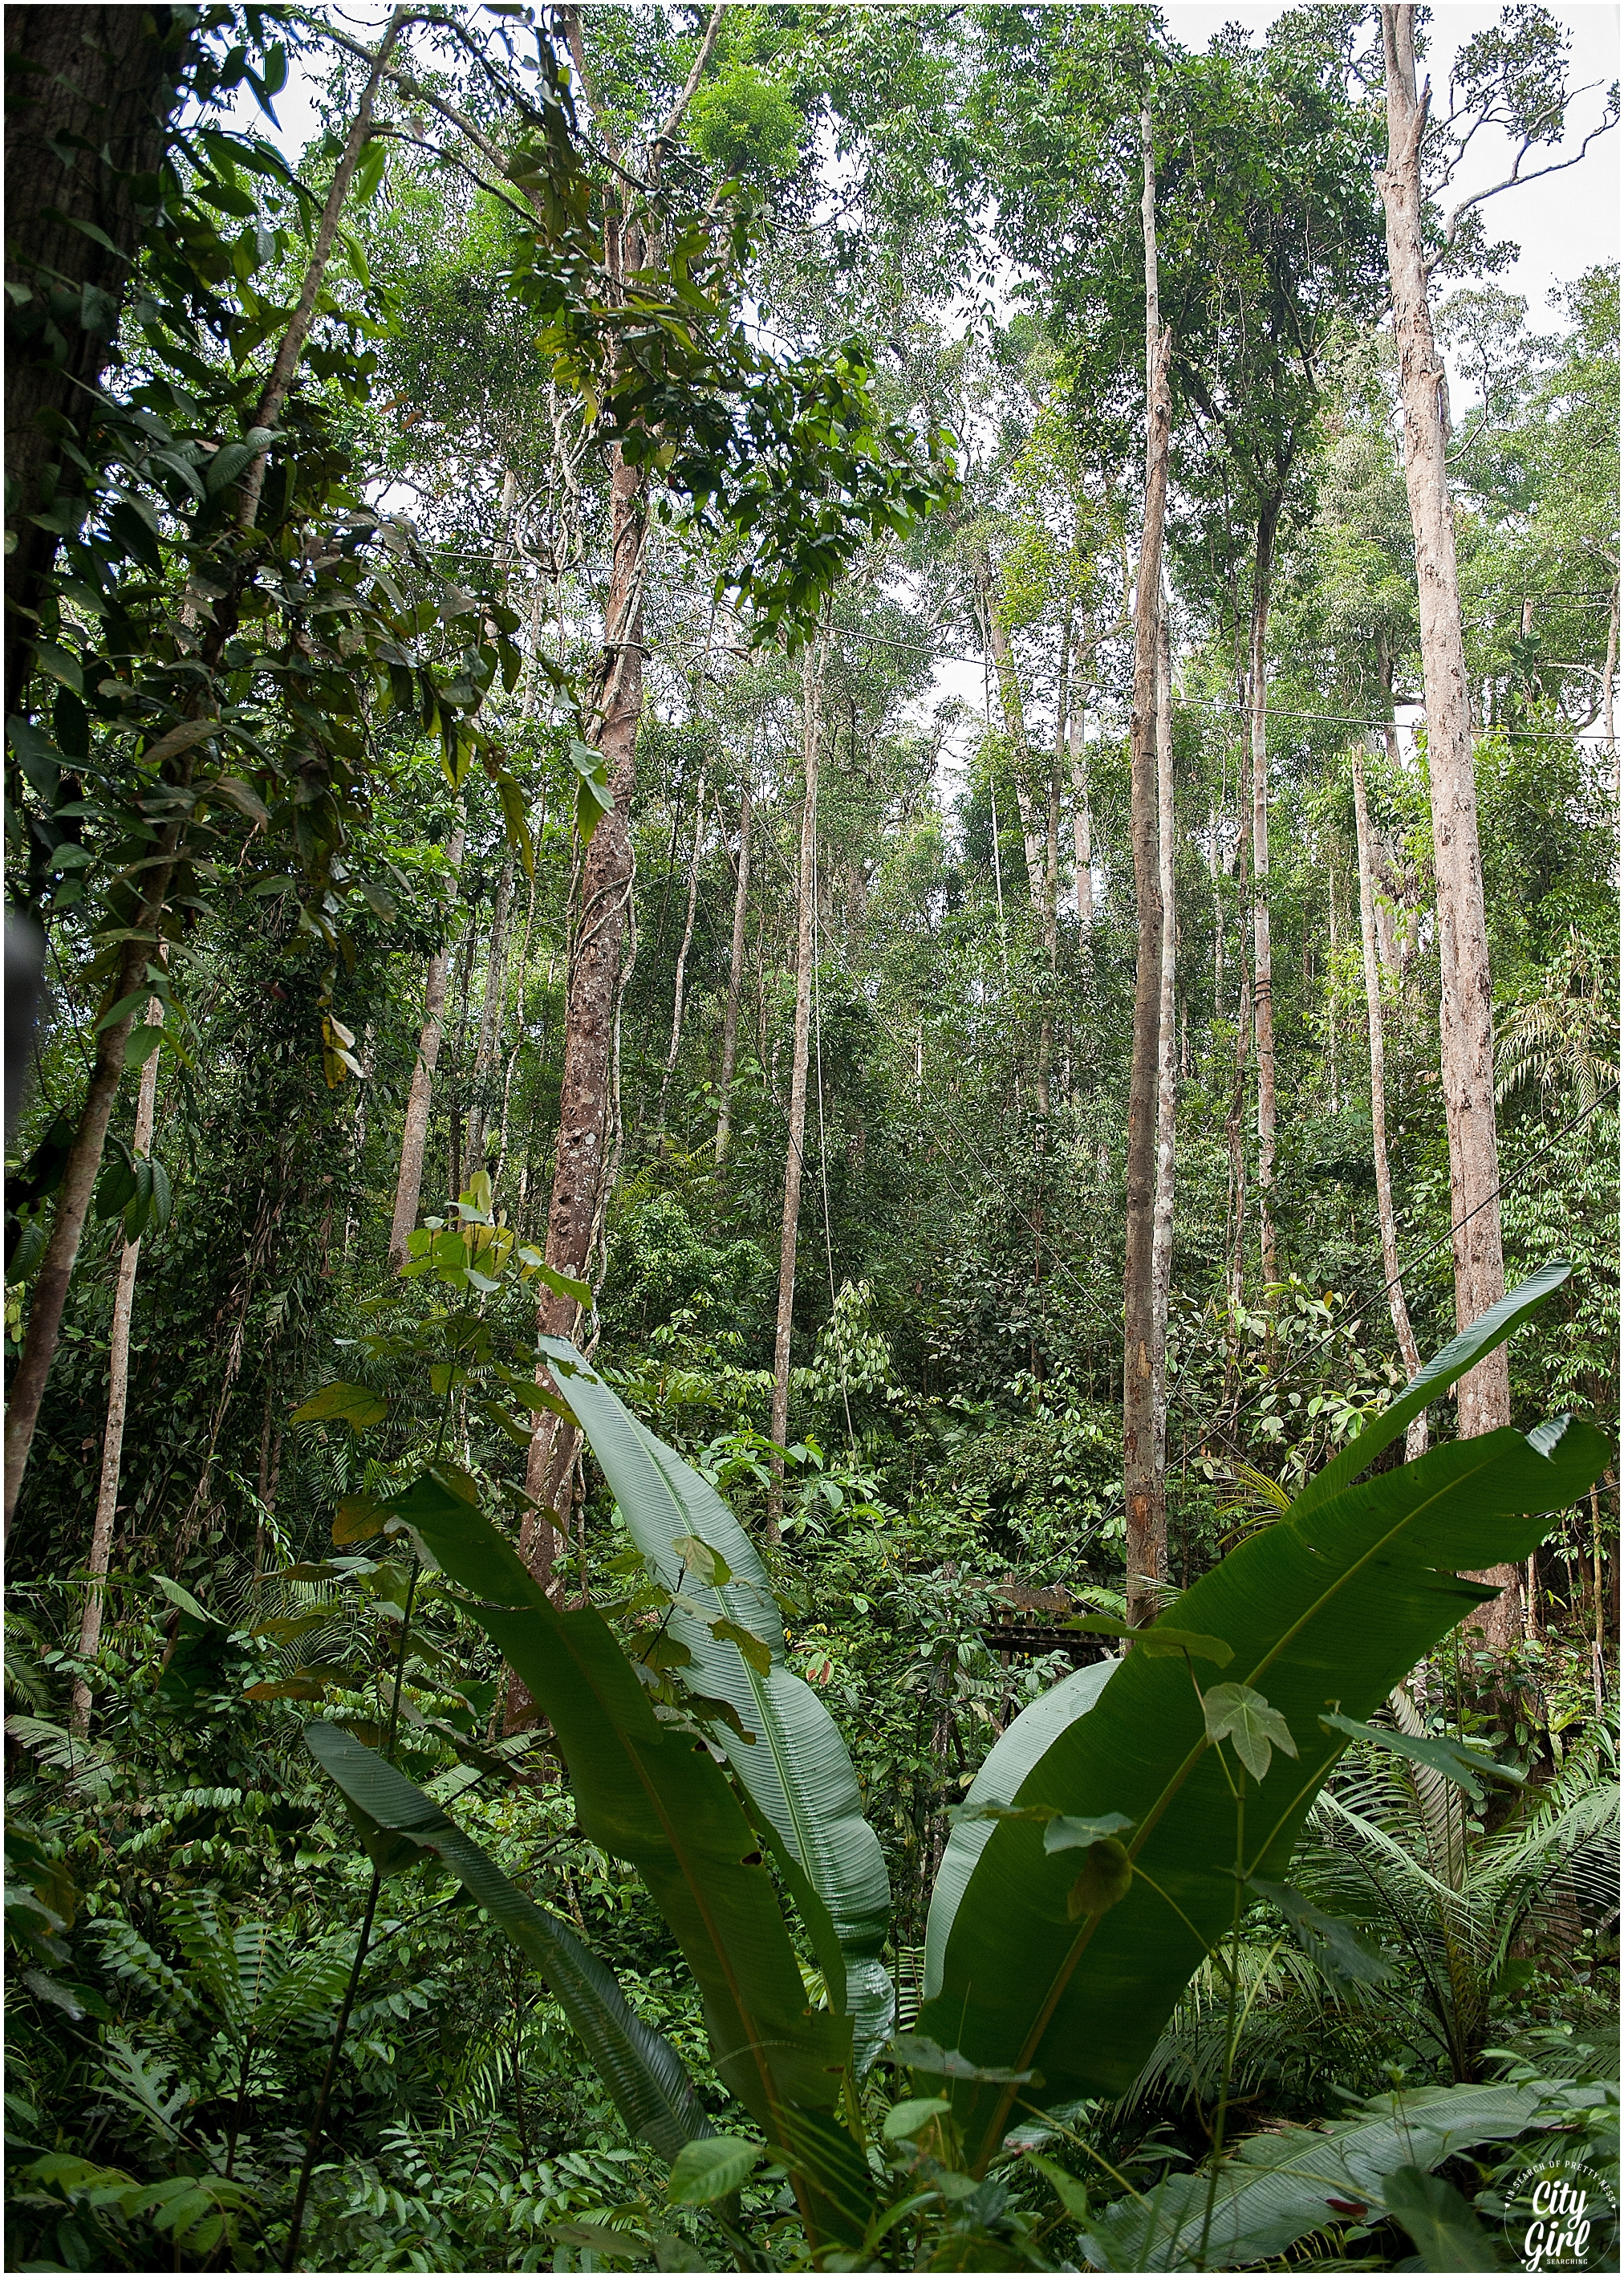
1166, 1096
686, 944
1033, 825
50, 1285
90, 94
581, 1163
811, 724
1415, 1438
735, 973
490, 1015
1262, 959
1466, 1002
117, 1395
1083, 817
1147, 1530
414, 1132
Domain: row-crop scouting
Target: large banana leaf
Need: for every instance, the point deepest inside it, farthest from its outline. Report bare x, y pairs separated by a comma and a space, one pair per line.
1016, 1753
796, 1767
1325, 1609
642, 2070
655, 1797
1280, 2187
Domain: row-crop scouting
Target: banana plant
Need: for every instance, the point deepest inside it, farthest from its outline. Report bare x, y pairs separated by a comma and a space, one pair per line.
1059, 1981
1098, 1860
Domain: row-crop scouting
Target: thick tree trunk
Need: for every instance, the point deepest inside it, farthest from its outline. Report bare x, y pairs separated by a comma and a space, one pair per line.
684, 945
581, 1166
1466, 1004
1415, 1438
90, 94
735, 975
811, 724
1166, 1096
1147, 1527
1263, 957
490, 1015
117, 1396
414, 1132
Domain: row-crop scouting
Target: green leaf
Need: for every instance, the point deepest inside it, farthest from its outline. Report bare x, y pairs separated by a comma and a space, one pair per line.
715, 2168
1276, 2190
1107, 1879
906, 2119
1236, 1713
1064, 1833
758, 1652
1327, 1608
357, 1518
1443, 2228
1072, 2194
1325, 1937
1157, 1640
642, 2070
701, 1558
342, 1403
796, 1770
1452, 1759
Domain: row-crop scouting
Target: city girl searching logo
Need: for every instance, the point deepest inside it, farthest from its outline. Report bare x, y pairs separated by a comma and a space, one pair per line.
1563, 2217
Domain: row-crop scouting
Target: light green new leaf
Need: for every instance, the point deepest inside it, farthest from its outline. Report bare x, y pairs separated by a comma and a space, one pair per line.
1236, 1713
703, 2172
1324, 1611
343, 1403
796, 1770
642, 2070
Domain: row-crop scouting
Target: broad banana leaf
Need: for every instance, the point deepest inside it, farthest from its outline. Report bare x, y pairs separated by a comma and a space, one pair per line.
1014, 1754
797, 1770
655, 1797
1325, 1610
638, 2066
1280, 2187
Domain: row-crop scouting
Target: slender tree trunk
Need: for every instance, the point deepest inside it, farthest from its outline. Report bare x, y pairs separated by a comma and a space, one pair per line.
1235, 1135
735, 974
1033, 827
1609, 686
51, 1286
1466, 1002
490, 1014
1147, 1528
117, 1396
414, 1133
686, 944
1415, 1438
1082, 822
292, 344
458, 1084
1166, 1096
812, 688
1262, 960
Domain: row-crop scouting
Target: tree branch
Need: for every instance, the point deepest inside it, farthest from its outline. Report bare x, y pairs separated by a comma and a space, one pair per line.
1516, 180
687, 95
